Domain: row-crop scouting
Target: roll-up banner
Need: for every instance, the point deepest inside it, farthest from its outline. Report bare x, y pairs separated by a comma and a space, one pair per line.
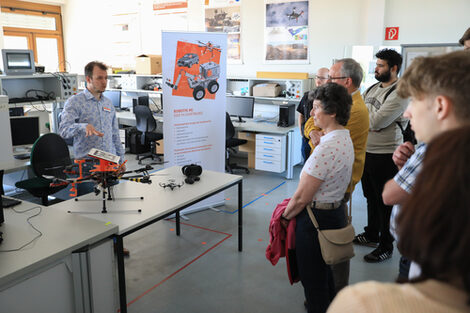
194, 94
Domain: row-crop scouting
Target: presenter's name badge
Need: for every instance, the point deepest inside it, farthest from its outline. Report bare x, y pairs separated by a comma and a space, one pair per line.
106, 109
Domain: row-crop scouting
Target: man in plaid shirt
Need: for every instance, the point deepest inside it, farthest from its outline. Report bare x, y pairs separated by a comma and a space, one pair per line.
439, 103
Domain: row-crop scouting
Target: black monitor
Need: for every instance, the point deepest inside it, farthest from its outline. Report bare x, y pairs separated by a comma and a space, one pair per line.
240, 107
24, 130
18, 61
114, 96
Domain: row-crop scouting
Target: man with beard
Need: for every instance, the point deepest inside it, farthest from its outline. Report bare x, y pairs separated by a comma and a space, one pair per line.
385, 112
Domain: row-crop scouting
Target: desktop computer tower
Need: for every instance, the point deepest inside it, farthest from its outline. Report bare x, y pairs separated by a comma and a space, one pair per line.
286, 115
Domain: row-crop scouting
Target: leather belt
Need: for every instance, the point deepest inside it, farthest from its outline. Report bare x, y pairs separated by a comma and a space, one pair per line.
326, 206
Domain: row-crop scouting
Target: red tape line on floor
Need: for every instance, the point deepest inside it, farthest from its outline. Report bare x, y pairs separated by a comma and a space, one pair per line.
186, 265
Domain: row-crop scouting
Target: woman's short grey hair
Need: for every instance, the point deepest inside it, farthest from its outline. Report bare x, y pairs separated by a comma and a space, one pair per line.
350, 68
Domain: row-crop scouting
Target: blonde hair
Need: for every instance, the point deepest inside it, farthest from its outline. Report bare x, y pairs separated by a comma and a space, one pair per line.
446, 75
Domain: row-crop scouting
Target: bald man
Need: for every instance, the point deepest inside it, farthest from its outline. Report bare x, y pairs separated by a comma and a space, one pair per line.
304, 108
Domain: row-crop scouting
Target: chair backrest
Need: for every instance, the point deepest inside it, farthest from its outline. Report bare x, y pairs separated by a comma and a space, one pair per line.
145, 122
50, 155
2, 192
229, 129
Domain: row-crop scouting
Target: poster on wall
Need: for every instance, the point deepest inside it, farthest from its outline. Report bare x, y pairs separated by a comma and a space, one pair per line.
194, 73
286, 31
224, 16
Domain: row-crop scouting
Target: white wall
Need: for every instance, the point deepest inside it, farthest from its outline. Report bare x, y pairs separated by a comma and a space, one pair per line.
335, 25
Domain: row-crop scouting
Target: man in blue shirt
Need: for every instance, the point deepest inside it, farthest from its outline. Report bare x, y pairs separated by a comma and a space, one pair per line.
90, 118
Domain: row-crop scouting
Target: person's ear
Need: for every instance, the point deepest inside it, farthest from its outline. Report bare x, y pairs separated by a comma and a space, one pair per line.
443, 107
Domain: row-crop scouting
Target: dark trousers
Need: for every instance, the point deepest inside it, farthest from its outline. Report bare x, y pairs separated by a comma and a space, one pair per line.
305, 148
315, 274
378, 169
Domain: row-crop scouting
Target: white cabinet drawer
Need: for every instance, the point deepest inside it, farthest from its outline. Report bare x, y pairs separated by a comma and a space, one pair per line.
270, 166
268, 149
270, 140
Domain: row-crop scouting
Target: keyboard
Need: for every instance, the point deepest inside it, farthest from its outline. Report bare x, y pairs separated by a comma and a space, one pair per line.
22, 156
8, 202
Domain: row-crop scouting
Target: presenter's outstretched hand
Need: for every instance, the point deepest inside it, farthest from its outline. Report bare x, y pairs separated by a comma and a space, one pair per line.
91, 131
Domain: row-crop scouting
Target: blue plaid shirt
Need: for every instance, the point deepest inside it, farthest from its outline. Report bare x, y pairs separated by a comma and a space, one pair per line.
83, 109
405, 178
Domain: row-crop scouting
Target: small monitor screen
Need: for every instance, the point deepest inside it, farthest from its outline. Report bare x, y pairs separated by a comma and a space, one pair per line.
240, 106
24, 130
18, 60
114, 96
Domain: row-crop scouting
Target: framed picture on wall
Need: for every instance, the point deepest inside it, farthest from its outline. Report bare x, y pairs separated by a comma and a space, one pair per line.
286, 32
224, 16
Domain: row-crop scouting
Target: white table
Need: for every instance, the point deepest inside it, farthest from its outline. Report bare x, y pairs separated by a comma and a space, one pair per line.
62, 234
158, 203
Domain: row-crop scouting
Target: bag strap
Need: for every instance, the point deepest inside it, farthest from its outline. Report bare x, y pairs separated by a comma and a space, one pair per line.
312, 216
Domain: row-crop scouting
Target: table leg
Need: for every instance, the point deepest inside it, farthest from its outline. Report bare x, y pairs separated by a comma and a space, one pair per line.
240, 215
178, 230
290, 159
121, 274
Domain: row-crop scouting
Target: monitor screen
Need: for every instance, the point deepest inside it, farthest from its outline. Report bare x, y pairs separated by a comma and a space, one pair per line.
24, 130
114, 96
240, 106
18, 61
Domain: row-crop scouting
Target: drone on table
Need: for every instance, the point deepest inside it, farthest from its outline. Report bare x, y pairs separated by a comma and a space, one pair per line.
171, 184
105, 174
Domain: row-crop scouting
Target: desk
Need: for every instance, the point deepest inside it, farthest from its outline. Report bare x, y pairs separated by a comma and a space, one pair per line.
294, 140
128, 118
158, 203
28, 269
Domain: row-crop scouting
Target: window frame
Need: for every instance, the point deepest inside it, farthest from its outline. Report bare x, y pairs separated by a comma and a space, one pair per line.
29, 8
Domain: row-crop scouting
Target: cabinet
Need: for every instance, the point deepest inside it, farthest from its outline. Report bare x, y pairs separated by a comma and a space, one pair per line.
130, 82
270, 153
292, 89
52, 86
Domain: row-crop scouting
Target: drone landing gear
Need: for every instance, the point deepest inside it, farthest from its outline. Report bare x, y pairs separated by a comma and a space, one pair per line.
109, 197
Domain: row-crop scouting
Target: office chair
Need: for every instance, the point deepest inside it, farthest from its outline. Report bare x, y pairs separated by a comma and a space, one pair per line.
230, 144
49, 156
146, 124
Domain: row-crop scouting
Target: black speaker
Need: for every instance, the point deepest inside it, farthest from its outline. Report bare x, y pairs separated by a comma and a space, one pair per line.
286, 115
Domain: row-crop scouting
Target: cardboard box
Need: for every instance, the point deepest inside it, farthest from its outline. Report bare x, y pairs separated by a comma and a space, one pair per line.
283, 75
148, 64
266, 90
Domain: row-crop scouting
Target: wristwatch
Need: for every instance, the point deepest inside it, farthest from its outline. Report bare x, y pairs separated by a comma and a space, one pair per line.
284, 218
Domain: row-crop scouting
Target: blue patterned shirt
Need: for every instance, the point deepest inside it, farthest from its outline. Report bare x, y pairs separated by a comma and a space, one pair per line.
83, 109
405, 178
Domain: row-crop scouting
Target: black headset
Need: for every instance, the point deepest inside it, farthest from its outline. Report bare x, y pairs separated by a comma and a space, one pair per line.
192, 172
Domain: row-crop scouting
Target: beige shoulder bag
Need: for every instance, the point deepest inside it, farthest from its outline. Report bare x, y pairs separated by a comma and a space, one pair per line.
336, 244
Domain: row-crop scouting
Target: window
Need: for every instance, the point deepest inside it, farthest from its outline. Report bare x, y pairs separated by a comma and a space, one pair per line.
37, 27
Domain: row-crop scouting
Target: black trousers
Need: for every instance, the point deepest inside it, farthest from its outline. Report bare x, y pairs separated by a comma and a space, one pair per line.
305, 148
378, 169
315, 274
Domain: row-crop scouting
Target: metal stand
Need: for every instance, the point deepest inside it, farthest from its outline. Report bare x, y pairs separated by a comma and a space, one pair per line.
105, 186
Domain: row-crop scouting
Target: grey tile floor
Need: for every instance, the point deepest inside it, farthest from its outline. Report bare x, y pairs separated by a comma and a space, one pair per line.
202, 270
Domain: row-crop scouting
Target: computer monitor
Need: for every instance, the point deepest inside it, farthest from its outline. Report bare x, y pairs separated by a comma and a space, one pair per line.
24, 130
18, 61
240, 107
114, 96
